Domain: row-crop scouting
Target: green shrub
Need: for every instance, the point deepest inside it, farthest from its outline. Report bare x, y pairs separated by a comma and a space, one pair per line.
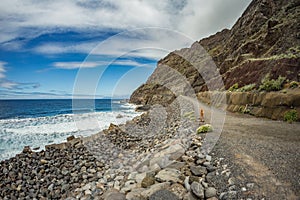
293, 84
247, 88
268, 84
205, 128
244, 109
234, 87
291, 116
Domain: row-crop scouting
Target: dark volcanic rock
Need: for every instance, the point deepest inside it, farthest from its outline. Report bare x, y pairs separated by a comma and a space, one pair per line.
163, 195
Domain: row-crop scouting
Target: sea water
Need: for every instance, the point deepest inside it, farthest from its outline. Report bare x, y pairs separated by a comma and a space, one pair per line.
37, 123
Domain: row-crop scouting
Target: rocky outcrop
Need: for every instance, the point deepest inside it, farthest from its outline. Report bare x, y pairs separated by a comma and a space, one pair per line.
271, 105
265, 39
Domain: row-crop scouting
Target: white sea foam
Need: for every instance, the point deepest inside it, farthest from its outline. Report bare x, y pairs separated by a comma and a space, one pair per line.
41, 131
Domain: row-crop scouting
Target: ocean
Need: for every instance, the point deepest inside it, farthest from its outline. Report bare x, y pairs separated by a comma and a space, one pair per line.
37, 123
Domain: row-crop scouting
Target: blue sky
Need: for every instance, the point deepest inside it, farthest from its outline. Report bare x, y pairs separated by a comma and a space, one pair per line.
86, 49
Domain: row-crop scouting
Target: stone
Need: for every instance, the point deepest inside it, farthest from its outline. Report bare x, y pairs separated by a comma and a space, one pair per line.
162, 161
232, 188
169, 174
231, 181
213, 198
228, 195
135, 194
65, 187
147, 181
197, 189
250, 185
190, 196
210, 192
139, 177
72, 137
87, 192
93, 171
176, 165
42, 161
117, 185
155, 167
210, 176
153, 188
205, 185
178, 190
198, 170
132, 175
163, 195
87, 186
119, 178
187, 184
50, 187
143, 169
194, 178
187, 159
174, 151
129, 186
201, 156
27, 149
208, 158
113, 194
119, 116
210, 168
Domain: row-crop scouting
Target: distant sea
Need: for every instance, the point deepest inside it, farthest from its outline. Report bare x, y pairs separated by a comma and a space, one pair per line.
37, 123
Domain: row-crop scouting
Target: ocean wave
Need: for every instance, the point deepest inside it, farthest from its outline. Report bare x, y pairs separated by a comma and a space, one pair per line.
38, 132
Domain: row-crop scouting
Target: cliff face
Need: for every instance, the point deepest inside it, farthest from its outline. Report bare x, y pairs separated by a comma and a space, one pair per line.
265, 39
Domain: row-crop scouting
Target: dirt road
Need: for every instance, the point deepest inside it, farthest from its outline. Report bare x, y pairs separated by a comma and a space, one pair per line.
260, 151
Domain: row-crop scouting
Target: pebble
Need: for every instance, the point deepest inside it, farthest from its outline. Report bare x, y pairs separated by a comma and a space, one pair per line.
163, 195
187, 184
210, 192
231, 181
208, 158
198, 170
147, 181
197, 189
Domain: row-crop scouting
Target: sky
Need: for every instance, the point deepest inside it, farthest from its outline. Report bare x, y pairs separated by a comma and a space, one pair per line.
98, 48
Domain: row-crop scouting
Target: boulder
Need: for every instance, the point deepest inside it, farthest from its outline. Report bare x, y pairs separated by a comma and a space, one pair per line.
170, 175
163, 195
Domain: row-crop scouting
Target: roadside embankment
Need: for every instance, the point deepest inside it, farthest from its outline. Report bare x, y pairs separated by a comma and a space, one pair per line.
272, 105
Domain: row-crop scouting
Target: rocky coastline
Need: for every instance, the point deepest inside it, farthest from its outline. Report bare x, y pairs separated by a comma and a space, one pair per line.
122, 162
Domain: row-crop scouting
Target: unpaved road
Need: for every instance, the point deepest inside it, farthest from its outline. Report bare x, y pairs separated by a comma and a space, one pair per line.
260, 151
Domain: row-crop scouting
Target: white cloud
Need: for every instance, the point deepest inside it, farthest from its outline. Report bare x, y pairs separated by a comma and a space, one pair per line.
196, 18
77, 65
153, 43
8, 84
4, 83
2, 70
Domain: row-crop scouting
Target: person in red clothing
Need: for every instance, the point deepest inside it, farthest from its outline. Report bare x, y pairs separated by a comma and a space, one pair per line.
201, 115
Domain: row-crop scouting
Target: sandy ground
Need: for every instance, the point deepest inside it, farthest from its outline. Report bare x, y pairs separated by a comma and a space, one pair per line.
260, 151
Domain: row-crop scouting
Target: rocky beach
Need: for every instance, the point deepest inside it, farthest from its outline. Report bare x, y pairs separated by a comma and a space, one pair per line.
119, 163
162, 154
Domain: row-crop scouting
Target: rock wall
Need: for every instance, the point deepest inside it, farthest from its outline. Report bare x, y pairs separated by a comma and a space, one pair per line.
271, 105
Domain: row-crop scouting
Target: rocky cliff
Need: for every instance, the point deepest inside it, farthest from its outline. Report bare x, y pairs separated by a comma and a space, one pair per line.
265, 39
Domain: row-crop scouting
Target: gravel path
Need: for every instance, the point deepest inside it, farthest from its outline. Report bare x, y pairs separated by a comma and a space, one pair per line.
260, 151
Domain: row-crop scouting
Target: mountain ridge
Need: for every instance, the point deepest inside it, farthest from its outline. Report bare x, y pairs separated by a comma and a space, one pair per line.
264, 40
